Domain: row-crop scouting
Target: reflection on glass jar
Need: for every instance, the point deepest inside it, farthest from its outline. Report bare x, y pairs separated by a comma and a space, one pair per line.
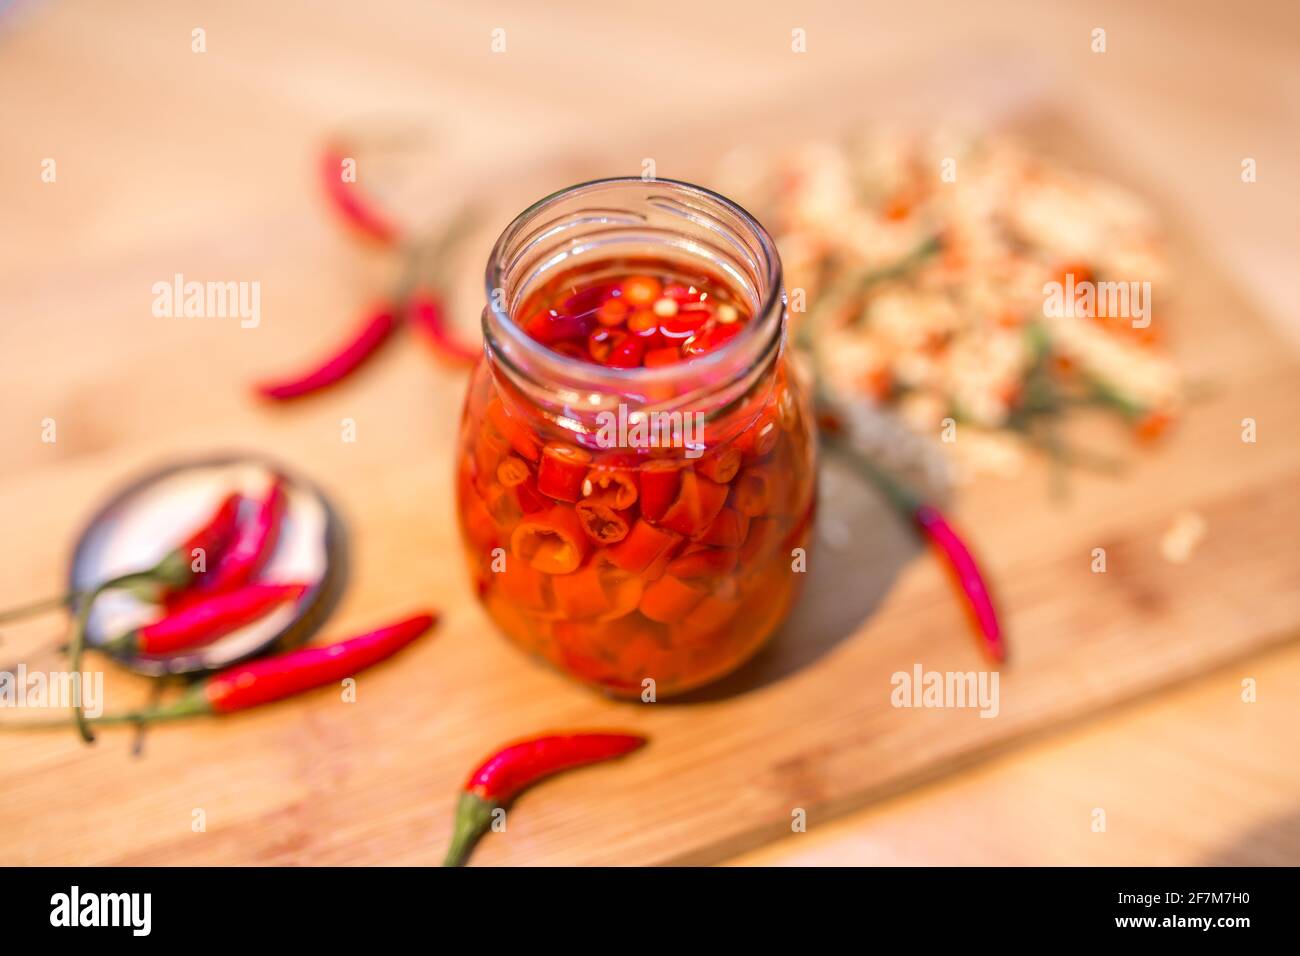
636, 471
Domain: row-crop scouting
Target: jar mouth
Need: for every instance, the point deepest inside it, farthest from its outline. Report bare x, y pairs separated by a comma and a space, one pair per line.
578, 221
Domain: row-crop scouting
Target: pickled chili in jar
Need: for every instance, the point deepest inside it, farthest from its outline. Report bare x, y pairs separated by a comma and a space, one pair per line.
635, 470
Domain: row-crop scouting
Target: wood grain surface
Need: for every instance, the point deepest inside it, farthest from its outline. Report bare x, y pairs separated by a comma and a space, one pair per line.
171, 161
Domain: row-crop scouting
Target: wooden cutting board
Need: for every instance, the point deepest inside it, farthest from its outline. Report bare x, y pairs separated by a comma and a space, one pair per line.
808, 726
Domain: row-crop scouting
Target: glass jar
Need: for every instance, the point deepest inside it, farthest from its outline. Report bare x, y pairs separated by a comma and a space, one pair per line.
637, 524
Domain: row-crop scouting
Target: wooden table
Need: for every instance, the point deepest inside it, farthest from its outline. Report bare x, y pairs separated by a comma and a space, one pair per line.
170, 160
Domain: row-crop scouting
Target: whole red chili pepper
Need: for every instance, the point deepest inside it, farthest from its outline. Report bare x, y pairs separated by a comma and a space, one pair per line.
426, 313
350, 202
376, 329
173, 573
503, 775
205, 619
253, 544
967, 575
270, 679
931, 524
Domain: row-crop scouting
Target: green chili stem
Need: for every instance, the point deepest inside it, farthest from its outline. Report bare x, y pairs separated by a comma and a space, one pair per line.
78, 642
473, 819
191, 705
36, 607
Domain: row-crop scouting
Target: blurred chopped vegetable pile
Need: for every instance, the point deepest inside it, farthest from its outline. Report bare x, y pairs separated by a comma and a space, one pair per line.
924, 261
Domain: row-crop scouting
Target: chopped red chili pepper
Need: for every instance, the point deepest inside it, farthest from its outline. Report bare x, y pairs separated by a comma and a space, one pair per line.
612, 312
709, 339
720, 465
644, 545
550, 327
562, 471
728, 529
513, 471
515, 430
627, 353
503, 775
649, 317
641, 290
660, 479
553, 542
761, 437
602, 523
613, 478
702, 562
670, 599
698, 502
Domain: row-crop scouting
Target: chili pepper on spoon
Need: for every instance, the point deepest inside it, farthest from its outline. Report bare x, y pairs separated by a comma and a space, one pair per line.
250, 548
174, 571
245, 550
205, 619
